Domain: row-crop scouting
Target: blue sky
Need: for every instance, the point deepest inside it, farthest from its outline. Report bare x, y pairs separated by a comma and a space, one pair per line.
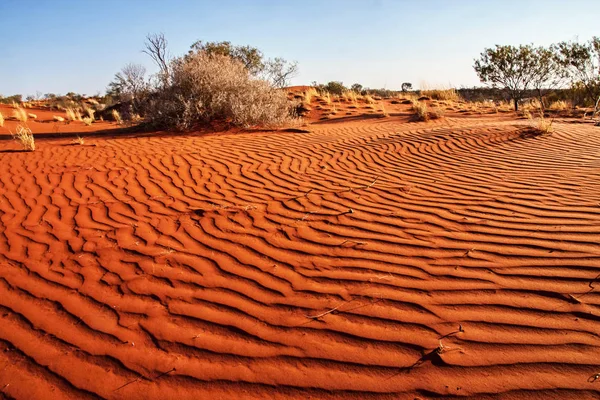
78, 45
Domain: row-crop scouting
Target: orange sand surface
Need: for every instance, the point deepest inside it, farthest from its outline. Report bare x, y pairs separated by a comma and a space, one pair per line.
367, 258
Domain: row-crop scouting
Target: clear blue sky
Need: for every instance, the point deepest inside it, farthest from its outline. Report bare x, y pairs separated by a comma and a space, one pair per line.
78, 45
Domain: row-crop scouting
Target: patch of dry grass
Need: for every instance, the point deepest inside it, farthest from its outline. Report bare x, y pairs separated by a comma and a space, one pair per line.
78, 140
88, 121
20, 114
1, 120
90, 112
70, 114
308, 95
24, 136
420, 110
369, 99
558, 105
117, 117
32, 116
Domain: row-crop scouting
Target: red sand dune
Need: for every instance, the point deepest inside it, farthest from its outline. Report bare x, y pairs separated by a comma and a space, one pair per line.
365, 259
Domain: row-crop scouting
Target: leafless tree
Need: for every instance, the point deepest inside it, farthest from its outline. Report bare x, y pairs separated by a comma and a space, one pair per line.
156, 47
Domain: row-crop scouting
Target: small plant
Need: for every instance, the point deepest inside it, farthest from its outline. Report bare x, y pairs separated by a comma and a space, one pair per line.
20, 114
70, 114
1, 120
544, 125
90, 112
32, 116
369, 99
117, 117
78, 140
309, 94
88, 121
57, 118
327, 97
420, 110
25, 137
558, 105
384, 113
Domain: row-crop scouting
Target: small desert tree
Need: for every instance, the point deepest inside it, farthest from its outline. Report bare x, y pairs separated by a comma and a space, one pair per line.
508, 67
406, 86
581, 65
546, 71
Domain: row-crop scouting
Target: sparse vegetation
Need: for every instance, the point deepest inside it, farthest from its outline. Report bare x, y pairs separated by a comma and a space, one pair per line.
24, 137
116, 117
32, 116
420, 110
1, 120
78, 140
88, 121
20, 114
70, 114
57, 118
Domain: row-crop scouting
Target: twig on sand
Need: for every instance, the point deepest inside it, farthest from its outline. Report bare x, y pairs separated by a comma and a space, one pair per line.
139, 378
352, 241
327, 312
164, 373
128, 383
372, 183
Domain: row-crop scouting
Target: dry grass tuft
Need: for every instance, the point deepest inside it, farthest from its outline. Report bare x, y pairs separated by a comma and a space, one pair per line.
88, 121
1, 120
420, 110
57, 118
25, 137
78, 140
384, 112
369, 99
90, 113
309, 94
117, 117
20, 114
70, 114
32, 116
558, 105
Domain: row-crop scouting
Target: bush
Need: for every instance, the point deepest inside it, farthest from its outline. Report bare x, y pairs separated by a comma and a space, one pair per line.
207, 87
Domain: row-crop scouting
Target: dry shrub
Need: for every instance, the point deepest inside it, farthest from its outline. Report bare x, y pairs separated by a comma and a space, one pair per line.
90, 112
1, 120
369, 99
20, 114
326, 97
70, 114
25, 138
206, 88
88, 121
420, 110
117, 116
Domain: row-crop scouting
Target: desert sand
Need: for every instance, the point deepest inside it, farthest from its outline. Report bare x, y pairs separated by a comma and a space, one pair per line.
360, 257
